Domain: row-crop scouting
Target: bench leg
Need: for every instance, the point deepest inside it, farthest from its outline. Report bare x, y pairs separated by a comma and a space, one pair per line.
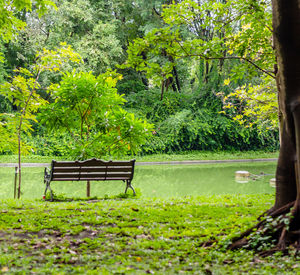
88, 189
48, 187
47, 180
128, 185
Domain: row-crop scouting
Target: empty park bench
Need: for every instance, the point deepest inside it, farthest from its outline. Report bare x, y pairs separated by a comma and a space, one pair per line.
89, 170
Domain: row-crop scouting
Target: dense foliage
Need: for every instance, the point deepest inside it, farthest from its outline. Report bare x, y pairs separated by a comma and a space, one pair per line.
89, 110
187, 122
182, 62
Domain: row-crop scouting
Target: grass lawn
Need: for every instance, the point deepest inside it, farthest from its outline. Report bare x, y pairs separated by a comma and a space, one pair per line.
134, 236
190, 155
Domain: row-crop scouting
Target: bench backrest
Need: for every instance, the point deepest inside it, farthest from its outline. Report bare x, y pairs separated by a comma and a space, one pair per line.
92, 169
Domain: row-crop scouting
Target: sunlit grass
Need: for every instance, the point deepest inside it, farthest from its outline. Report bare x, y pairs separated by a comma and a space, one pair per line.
134, 235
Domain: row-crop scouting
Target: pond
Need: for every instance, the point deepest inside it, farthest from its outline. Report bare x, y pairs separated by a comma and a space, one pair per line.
153, 181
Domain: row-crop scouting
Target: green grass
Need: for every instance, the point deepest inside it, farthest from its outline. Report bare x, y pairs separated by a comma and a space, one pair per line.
134, 236
208, 155
191, 155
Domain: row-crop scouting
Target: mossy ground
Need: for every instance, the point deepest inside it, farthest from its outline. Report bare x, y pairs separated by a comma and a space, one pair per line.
134, 236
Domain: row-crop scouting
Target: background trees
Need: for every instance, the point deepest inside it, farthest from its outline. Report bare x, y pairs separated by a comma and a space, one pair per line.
222, 51
33, 75
186, 62
232, 38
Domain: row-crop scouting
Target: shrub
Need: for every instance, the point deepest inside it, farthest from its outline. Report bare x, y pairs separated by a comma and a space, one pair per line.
206, 130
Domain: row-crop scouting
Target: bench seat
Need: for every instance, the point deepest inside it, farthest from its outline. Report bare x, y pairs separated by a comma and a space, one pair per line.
89, 170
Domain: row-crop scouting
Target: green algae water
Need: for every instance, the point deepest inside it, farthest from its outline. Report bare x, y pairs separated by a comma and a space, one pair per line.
193, 180
162, 181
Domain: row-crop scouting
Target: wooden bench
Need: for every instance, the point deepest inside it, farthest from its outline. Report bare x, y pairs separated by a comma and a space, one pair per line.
89, 170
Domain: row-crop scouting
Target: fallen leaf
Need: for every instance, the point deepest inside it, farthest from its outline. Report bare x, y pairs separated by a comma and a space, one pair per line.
142, 236
139, 259
4, 269
228, 261
257, 260
72, 252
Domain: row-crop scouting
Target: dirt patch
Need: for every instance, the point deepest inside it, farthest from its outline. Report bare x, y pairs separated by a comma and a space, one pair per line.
90, 231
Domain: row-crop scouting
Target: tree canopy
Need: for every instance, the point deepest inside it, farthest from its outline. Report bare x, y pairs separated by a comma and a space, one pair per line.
234, 31
90, 110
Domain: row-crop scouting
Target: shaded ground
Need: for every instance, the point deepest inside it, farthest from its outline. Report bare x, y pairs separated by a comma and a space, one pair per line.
174, 236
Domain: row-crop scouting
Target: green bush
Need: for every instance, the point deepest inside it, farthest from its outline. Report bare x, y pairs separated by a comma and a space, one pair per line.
182, 122
206, 130
147, 104
51, 145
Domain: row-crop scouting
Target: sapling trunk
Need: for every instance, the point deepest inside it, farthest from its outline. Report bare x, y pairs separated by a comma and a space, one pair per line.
19, 165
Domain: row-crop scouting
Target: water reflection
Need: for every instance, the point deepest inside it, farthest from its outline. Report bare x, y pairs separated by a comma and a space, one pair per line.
154, 181
174, 181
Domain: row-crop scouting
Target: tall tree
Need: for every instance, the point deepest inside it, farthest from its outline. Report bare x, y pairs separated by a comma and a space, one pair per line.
235, 31
10, 12
285, 214
242, 31
12, 17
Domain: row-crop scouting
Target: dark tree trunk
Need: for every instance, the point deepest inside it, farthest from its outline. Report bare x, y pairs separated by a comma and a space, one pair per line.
162, 90
206, 72
176, 79
286, 27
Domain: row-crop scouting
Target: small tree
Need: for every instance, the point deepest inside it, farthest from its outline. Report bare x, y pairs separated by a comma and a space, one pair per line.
89, 108
23, 92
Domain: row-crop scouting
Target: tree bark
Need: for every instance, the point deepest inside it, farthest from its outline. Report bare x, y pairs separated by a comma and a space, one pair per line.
286, 27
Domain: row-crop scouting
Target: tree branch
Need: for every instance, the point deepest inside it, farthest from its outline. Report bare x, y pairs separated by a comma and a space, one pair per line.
225, 57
